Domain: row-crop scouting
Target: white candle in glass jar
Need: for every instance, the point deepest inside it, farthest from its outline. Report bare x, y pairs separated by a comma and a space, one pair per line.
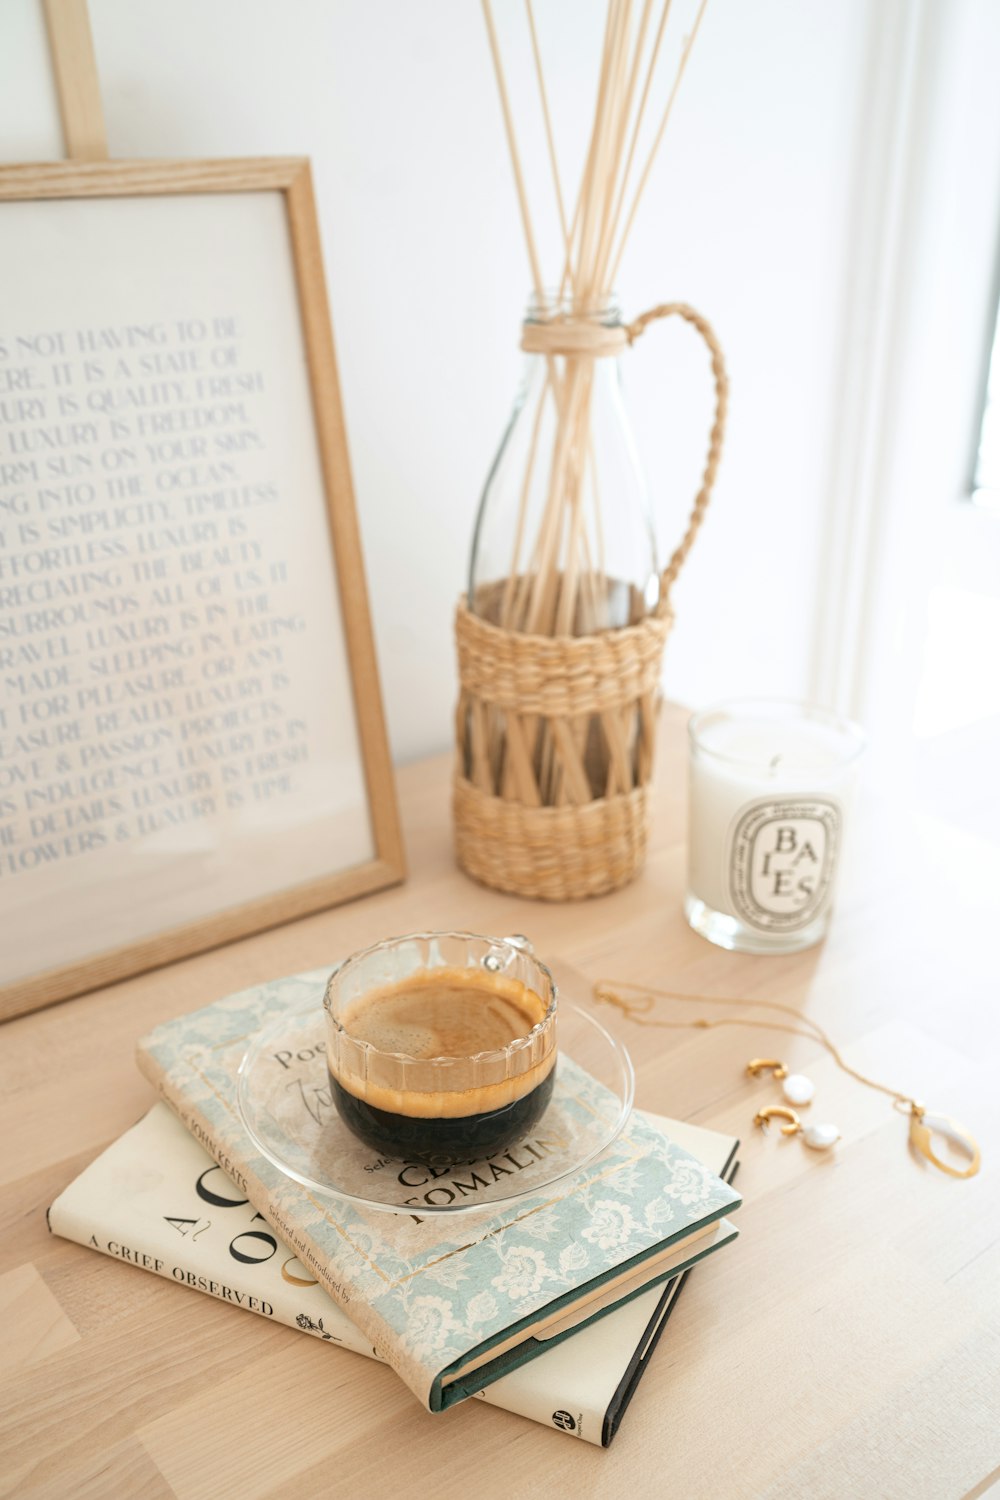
771, 789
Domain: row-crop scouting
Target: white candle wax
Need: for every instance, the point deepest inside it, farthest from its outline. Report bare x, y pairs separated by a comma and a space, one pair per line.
771, 787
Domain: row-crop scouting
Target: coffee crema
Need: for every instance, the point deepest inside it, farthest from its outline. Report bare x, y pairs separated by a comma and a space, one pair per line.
444, 1064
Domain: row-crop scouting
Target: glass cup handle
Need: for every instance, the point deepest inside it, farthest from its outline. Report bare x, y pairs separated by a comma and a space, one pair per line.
518, 942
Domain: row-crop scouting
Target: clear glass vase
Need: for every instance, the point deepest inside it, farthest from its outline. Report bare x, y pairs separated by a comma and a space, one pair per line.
561, 636
564, 542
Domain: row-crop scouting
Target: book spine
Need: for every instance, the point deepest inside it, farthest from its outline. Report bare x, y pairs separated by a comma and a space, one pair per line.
363, 1316
70, 1223
567, 1416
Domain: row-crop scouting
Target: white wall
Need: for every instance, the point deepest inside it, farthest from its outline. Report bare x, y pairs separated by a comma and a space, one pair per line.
749, 217
29, 109
920, 599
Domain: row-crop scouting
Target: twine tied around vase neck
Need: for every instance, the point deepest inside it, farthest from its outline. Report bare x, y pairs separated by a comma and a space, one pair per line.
581, 338
593, 336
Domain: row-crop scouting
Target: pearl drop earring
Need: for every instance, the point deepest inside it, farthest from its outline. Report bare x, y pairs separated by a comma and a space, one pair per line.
796, 1087
819, 1137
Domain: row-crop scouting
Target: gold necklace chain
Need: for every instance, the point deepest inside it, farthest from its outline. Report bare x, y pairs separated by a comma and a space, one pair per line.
607, 992
639, 1011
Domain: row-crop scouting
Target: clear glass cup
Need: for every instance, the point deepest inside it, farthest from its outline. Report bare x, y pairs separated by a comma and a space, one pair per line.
772, 785
416, 1098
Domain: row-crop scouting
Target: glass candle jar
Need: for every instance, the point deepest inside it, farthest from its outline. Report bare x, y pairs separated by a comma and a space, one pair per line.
771, 789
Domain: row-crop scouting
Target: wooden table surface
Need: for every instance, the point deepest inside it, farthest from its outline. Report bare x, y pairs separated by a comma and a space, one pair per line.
847, 1345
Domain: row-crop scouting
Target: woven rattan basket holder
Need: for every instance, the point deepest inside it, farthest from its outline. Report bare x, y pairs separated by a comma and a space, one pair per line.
604, 686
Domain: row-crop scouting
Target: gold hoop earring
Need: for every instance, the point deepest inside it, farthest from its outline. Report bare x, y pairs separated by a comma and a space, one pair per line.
758, 1065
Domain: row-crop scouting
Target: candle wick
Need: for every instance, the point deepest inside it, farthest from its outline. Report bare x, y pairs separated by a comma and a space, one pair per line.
774, 763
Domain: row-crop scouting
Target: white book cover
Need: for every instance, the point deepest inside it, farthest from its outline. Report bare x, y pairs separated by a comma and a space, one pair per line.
156, 1200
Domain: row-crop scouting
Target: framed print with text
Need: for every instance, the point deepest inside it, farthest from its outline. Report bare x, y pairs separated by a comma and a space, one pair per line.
192, 743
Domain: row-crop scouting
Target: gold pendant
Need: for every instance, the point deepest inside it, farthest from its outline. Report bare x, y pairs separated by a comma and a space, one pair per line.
921, 1134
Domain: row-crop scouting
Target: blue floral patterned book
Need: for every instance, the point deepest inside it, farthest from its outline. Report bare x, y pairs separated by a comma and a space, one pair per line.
454, 1302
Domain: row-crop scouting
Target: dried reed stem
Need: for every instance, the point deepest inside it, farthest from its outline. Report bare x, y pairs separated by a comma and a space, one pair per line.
515, 159
507, 606
639, 115
619, 144
553, 161
557, 582
659, 137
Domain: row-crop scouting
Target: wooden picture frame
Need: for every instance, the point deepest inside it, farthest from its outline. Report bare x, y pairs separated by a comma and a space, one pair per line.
214, 186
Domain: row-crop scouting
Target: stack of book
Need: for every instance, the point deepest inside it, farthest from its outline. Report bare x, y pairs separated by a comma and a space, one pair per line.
550, 1306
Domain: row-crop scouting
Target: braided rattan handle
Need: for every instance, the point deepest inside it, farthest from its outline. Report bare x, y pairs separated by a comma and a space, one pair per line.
639, 326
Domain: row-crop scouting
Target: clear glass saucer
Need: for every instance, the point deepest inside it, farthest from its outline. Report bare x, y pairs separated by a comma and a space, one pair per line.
283, 1097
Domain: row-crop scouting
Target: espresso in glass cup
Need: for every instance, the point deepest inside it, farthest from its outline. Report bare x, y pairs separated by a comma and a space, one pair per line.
441, 1045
